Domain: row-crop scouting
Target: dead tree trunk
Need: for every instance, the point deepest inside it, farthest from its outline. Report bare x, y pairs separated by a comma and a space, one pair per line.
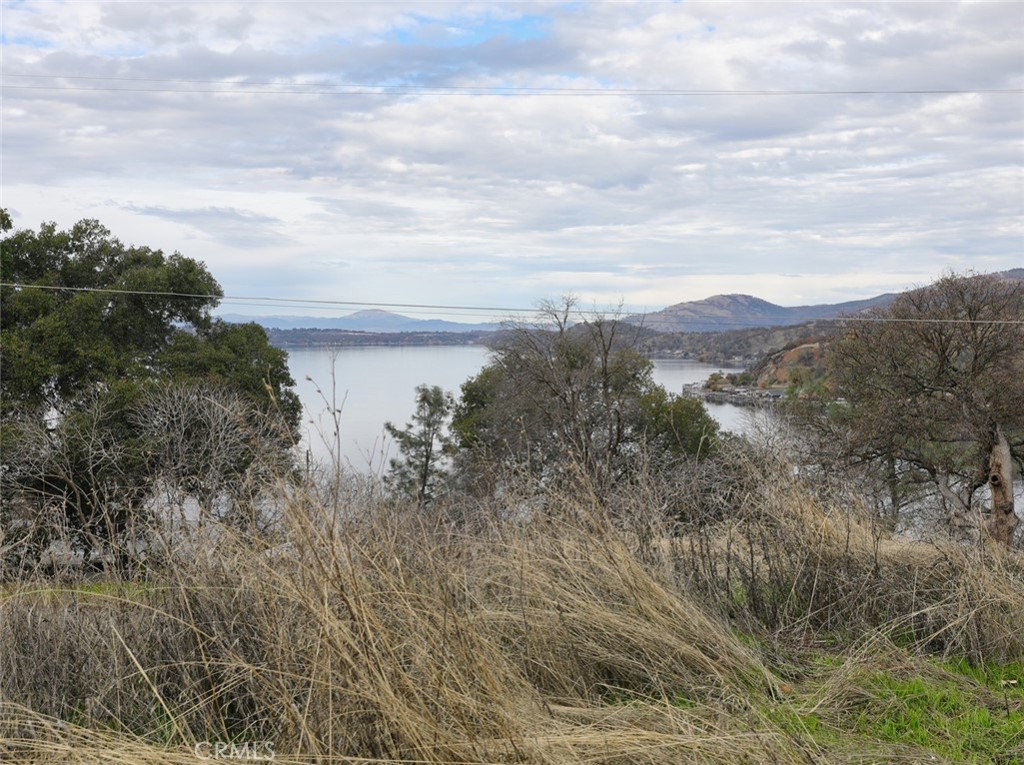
1003, 521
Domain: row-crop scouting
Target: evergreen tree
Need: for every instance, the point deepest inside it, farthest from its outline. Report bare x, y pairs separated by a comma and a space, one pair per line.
89, 328
424, 444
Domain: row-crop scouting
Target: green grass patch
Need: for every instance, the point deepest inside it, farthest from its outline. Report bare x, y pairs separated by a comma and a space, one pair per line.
947, 709
1004, 679
948, 717
805, 725
141, 592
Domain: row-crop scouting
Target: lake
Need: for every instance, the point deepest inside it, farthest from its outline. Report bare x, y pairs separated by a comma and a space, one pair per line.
368, 386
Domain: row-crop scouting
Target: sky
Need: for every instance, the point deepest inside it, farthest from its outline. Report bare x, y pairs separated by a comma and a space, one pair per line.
492, 154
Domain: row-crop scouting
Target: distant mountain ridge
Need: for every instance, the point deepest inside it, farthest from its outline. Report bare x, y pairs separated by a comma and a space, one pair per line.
371, 320
718, 313
714, 314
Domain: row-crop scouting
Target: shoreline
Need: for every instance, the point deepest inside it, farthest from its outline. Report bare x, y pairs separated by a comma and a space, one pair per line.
753, 398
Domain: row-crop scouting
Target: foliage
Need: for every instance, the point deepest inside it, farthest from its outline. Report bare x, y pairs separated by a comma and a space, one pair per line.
237, 357
423, 443
677, 425
92, 334
571, 397
76, 323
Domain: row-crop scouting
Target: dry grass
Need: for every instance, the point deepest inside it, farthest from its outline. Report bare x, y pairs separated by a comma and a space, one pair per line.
383, 635
788, 561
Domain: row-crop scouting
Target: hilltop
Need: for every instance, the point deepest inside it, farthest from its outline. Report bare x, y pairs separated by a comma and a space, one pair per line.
720, 313
719, 328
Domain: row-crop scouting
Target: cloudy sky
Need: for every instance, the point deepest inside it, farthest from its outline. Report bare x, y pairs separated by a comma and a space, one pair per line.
493, 154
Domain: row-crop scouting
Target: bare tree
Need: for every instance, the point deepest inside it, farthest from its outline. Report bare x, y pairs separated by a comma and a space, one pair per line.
79, 479
210, 444
94, 478
933, 388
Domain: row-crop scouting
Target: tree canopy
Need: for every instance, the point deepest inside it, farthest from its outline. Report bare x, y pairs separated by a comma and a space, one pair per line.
933, 386
91, 331
424, 444
571, 397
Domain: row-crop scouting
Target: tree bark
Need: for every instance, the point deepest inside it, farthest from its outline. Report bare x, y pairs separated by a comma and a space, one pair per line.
1003, 521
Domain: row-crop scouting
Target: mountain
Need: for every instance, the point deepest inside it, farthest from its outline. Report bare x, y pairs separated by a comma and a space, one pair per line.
720, 313
373, 320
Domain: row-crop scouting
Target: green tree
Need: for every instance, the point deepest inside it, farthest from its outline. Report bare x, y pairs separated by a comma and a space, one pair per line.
570, 398
88, 326
73, 317
424, 444
676, 425
237, 357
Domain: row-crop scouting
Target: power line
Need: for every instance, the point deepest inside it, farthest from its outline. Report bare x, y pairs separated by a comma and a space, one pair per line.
266, 299
491, 310
244, 88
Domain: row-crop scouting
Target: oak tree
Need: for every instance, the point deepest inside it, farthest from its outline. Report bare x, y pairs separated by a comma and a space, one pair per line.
933, 386
88, 326
569, 398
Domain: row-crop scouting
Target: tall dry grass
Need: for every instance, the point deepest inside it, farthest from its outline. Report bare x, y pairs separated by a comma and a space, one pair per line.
382, 635
784, 559
369, 632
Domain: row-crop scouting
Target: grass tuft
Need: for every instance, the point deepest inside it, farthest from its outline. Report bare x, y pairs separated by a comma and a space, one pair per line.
786, 632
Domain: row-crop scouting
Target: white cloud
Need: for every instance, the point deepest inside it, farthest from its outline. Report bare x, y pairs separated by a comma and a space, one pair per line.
500, 199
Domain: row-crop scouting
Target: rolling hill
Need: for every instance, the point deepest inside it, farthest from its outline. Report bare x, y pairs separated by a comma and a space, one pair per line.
721, 313
718, 313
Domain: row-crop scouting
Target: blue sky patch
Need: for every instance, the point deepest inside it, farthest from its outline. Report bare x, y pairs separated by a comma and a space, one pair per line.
25, 40
455, 33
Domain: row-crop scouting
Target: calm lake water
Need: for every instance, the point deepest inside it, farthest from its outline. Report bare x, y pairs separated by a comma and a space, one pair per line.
370, 386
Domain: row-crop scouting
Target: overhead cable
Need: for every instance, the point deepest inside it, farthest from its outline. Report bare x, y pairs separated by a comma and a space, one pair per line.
370, 89
490, 310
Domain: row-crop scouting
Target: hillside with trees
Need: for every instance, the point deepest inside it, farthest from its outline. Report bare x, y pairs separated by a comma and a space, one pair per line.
737, 346
346, 338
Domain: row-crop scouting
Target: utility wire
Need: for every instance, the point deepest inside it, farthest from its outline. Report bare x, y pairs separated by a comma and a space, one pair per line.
403, 90
491, 310
267, 300
356, 89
